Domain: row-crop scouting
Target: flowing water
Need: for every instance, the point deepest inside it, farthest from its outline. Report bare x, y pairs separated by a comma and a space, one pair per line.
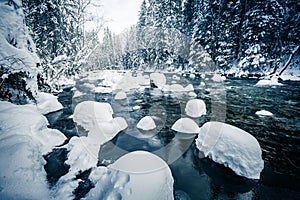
231, 101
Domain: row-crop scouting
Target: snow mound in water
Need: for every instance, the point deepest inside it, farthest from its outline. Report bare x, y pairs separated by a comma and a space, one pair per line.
189, 88
120, 123
101, 89
176, 88
232, 147
24, 139
47, 103
218, 78
272, 81
143, 80
89, 113
130, 81
158, 79
149, 176
77, 93
120, 96
195, 108
84, 150
263, 113
146, 124
136, 107
97, 119
192, 76
192, 94
106, 131
185, 125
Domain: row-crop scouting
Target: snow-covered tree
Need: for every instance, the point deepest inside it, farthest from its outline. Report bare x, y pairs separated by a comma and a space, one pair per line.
261, 36
19, 63
57, 27
229, 33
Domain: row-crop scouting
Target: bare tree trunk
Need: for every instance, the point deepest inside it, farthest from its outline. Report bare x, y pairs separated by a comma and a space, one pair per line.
289, 60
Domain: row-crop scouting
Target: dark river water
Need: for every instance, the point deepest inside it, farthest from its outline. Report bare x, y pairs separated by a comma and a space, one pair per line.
231, 101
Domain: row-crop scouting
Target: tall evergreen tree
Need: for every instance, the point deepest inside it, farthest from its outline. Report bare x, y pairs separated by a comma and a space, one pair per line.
57, 29
261, 35
229, 32
189, 12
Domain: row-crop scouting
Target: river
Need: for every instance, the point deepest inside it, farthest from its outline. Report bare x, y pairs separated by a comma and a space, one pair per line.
233, 101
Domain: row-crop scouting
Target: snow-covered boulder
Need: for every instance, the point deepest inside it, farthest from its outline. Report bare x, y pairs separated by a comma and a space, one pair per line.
142, 80
186, 125
97, 119
192, 76
231, 147
47, 103
101, 89
77, 94
136, 107
263, 113
89, 113
158, 79
146, 124
84, 150
189, 88
127, 83
192, 94
105, 131
266, 82
195, 108
120, 95
218, 78
150, 178
176, 88
120, 123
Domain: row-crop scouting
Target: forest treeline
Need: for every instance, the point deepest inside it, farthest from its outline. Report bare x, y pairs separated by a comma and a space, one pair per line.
239, 38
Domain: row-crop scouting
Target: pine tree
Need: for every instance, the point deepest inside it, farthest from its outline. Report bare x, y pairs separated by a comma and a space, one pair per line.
290, 34
19, 63
261, 36
189, 13
57, 29
229, 32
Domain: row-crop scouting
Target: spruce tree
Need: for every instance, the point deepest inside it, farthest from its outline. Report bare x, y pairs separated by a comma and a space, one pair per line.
261, 36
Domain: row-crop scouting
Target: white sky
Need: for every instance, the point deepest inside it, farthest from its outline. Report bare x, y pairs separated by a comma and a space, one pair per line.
120, 14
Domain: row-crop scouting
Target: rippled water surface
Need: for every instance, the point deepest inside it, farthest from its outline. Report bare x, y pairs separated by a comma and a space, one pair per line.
231, 101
